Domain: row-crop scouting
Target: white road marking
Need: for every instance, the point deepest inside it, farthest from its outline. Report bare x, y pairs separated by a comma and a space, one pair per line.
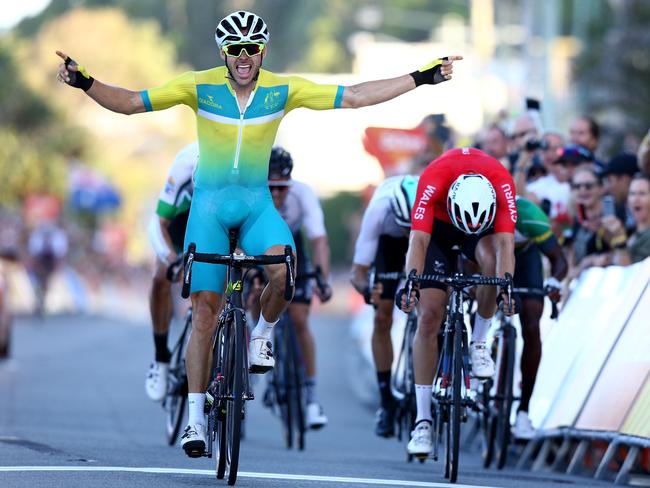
242, 474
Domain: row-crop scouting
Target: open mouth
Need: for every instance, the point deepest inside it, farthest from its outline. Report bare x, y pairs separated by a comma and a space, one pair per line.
244, 69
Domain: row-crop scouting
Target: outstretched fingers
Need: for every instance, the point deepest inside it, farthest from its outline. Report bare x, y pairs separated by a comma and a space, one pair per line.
64, 71
447, 67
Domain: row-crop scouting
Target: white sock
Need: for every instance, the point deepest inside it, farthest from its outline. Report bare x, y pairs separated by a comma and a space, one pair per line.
196, 402
263, 328
481, 328
423, 402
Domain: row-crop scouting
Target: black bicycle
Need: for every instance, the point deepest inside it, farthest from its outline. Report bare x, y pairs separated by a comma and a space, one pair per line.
496, 396
403, 378
286, 388
176, 396
229, 386
452, 379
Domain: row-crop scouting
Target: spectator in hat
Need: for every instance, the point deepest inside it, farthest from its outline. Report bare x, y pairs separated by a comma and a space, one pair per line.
618, 174
574, 156
590, 242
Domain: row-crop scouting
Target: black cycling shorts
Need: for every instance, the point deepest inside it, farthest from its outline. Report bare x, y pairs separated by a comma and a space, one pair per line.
529, 272
176, 230
304, 290
390, 258
441, 258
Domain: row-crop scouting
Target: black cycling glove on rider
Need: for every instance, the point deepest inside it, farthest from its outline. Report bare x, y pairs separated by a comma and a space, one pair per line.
515, 299
429, 74
80, 78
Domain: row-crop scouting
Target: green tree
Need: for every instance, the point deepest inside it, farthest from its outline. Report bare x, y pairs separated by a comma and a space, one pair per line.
613, 69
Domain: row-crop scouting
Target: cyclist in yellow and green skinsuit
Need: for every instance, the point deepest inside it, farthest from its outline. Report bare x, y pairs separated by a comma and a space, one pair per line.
238, 109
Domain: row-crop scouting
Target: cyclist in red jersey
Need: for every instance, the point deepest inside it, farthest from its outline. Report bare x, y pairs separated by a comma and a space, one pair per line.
465, 198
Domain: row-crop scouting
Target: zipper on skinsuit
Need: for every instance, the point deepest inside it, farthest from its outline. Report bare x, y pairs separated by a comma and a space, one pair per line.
241, 127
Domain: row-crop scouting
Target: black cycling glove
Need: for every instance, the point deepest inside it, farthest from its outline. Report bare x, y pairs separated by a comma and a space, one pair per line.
80, 78
429, 74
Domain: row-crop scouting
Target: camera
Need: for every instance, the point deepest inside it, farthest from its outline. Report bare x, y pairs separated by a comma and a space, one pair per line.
534, 145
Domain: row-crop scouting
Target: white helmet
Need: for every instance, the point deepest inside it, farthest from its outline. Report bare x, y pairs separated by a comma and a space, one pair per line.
471, 203
232, 27
402, 200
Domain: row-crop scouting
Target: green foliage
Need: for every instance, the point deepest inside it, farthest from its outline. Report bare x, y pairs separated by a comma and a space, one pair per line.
340, 212
306, 35
33, 138
613, 69
19, 107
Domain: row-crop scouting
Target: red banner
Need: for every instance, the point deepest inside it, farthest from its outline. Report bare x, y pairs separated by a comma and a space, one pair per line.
394, 148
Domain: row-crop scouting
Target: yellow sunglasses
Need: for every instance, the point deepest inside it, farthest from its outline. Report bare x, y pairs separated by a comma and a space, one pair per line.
250, 48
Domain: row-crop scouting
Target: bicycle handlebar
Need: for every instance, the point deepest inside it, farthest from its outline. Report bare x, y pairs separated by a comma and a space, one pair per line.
460, 280
540, 293
239, 259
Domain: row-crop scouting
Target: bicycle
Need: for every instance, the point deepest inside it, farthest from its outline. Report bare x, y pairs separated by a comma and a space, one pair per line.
286, 388
403, 379
497, 395
176, 395
452, 379
229, 387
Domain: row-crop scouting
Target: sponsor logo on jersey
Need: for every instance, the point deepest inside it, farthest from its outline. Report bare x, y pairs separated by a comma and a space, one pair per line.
510, 198
427, 194
209, 101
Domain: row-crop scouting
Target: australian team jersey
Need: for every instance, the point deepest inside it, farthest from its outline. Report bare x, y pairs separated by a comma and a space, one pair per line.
235, 142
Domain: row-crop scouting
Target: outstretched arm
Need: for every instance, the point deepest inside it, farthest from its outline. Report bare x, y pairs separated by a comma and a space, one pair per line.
374, 92
113, 98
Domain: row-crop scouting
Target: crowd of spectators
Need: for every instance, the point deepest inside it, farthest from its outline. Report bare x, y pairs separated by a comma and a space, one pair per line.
598, 204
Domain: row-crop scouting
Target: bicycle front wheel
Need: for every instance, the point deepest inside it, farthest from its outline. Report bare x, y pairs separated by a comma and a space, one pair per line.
455, 408
235, 403
504, 395
295, 384
176, 397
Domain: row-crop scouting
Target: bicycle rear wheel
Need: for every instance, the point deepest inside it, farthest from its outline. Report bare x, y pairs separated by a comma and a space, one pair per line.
504, 396
488, 427
176, 397
235, 401
295, 384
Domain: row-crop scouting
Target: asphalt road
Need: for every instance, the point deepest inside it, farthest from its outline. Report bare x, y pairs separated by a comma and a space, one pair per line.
73, 413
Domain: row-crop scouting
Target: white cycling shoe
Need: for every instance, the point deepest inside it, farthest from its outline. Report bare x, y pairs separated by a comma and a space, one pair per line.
155, 384
316, 418
260, 355
523, 426
482, 363
421, 443
193, 440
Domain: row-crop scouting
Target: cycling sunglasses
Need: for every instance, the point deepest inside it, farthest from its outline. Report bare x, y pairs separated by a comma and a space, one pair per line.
250, 48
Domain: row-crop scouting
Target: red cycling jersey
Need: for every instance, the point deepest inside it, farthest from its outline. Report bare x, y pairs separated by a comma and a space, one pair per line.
431, 198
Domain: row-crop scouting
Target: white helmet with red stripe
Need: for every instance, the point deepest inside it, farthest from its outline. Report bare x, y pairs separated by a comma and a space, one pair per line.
471, 203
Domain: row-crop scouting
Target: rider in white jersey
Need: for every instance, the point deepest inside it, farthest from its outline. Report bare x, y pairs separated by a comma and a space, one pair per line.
299, 207
383, 242
166, 233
